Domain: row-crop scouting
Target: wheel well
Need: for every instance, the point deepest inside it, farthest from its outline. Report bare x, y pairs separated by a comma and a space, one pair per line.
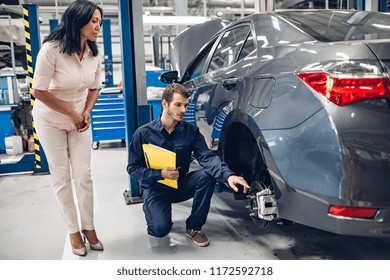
241, 152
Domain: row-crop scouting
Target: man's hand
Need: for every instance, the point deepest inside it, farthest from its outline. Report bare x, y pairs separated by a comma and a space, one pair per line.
170, 173
234, 180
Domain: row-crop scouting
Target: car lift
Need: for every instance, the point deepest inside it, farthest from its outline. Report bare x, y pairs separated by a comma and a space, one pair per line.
137, 112
30, 162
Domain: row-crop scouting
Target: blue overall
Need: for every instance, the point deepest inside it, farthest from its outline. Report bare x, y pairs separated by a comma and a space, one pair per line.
187, 142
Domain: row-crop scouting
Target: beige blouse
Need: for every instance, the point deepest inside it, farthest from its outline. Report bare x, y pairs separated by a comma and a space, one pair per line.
67, 78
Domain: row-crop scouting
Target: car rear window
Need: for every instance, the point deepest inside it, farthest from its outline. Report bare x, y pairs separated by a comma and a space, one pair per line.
333, 26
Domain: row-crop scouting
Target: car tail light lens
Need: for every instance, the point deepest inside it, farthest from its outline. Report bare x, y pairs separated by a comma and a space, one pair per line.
347, 82
352, 212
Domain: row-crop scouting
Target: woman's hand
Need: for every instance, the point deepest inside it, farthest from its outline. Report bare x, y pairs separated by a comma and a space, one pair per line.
81, 122
77, 120
86, 121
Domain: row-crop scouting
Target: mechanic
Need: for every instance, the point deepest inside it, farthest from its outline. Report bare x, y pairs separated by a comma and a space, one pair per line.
172, 133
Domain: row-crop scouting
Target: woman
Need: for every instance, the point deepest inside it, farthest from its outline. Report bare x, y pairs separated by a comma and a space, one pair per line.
66, 82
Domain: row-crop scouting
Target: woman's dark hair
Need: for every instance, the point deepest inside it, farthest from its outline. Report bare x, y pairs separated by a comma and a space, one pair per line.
67, 33
171, 89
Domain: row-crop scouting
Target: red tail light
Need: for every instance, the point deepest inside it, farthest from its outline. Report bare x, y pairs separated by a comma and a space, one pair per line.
345, 83
352, 212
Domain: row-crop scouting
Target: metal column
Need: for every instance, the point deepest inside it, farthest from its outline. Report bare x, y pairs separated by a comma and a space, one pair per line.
371, 5
383, 6
33, 44
360, 5
134, 81
108, 68
264, 6
181, 9
53, 23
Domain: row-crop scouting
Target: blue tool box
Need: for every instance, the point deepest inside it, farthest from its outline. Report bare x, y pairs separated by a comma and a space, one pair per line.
108, 119
108, 115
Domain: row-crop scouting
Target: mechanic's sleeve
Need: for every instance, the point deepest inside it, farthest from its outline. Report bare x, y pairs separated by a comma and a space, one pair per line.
137, 167
209, 160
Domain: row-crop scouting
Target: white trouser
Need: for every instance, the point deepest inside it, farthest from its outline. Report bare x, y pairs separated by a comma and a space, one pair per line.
68, 154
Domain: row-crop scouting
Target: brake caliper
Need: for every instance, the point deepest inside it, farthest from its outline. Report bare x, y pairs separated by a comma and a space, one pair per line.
262, 202
266, 202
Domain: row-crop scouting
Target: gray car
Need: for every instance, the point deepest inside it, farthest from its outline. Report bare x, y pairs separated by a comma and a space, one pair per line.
298, 102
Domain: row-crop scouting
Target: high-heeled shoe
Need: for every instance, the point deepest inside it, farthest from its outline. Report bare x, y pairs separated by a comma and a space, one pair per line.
82, 252
97, 246
78, 251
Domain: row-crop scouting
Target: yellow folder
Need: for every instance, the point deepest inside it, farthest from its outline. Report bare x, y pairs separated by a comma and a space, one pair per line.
159, 158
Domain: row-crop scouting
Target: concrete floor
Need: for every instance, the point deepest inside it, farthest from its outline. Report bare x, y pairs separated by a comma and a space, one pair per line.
32, 228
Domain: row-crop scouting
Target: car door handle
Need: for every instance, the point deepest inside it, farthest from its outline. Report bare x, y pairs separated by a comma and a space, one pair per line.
230, 84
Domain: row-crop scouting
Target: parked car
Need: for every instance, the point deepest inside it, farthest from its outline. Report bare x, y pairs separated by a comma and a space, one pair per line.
298, 102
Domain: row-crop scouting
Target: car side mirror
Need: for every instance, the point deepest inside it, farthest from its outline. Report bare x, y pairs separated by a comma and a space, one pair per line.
169, 77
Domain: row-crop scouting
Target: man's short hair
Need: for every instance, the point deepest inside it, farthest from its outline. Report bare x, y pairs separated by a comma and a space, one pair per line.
174, 88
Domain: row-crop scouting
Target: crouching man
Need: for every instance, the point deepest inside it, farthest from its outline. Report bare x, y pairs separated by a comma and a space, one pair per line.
174, 134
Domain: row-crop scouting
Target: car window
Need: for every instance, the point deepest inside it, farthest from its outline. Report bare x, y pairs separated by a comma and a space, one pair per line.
333, 26
198, 70
228, 48
197, 66
248, 47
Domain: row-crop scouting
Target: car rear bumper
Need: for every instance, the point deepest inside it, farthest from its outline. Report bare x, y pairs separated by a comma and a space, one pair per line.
311, 210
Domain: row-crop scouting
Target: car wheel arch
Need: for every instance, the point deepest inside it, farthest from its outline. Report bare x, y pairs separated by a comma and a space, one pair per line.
240, 148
